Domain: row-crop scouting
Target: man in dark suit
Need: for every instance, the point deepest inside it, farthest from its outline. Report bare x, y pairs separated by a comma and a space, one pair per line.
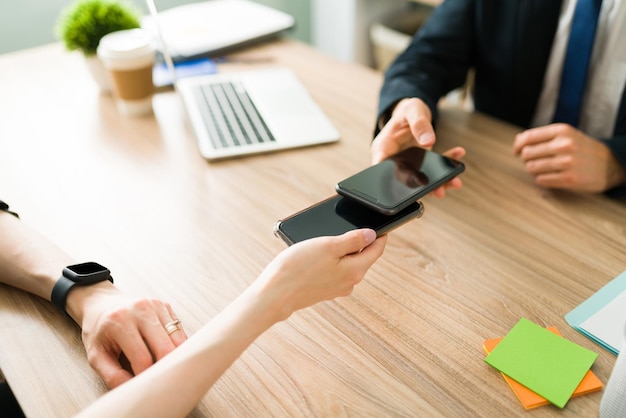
517, 50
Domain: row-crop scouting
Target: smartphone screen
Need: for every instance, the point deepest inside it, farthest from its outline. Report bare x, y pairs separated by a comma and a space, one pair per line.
400, 180
337, 215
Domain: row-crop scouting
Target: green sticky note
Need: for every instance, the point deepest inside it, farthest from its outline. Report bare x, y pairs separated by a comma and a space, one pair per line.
542, 361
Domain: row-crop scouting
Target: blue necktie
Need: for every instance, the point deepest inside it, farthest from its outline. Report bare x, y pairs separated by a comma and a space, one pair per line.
576, 61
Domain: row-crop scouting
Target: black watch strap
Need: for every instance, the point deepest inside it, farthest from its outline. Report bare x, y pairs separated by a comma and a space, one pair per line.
60, 291
5, 208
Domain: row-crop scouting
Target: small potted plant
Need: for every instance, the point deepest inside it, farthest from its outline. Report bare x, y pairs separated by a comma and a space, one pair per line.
82, 24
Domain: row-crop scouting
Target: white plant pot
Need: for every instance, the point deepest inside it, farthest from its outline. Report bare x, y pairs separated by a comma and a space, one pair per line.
99, 73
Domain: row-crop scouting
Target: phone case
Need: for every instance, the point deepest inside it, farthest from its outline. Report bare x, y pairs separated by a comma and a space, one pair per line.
337, 215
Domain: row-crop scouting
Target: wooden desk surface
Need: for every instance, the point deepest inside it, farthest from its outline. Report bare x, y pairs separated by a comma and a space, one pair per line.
135, 195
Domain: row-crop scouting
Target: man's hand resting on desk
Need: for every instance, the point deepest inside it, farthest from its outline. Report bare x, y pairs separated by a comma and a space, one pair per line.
410, 125
113, 323
560, 156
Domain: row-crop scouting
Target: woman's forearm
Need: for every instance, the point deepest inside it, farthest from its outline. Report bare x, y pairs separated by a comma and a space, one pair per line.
306, 273
28, 261
191, 369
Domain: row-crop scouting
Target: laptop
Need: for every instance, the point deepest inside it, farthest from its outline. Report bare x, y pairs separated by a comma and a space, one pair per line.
209, 28
250, 112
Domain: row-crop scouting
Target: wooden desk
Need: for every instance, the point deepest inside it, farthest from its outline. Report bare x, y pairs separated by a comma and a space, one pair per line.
135, 195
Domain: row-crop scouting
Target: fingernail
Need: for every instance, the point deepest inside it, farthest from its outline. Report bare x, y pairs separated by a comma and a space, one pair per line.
369, 235
426, 138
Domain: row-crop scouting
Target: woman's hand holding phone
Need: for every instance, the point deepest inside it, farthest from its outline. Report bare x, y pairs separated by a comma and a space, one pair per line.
338, 215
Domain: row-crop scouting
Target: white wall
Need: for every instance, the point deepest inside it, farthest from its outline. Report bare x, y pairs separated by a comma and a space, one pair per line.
341, 27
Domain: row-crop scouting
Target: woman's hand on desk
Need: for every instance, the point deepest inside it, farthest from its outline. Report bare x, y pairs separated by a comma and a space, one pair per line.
410, 126
113, 324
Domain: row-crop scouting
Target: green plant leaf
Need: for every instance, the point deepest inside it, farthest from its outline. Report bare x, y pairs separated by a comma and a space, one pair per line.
84, 23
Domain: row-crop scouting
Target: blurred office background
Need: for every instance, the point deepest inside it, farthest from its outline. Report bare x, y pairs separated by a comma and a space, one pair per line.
341, 28
28, 23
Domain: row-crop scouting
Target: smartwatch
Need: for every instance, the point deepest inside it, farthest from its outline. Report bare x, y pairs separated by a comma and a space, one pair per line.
5, 208
83, 274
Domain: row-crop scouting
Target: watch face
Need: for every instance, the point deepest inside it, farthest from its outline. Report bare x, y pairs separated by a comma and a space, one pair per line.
87, 273
86, 268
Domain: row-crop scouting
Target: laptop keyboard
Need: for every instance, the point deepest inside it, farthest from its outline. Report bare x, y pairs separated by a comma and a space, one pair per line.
231, 118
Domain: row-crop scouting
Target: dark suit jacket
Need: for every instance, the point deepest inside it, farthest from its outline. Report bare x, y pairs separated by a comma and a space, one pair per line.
507, 42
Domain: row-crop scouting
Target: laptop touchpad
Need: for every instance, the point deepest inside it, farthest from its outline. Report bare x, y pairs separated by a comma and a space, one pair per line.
286, 106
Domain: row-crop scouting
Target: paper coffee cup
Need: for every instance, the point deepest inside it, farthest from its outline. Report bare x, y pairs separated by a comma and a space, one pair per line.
128, 56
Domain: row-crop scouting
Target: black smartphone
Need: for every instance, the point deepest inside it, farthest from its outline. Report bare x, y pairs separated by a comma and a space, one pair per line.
337, 215
400, 180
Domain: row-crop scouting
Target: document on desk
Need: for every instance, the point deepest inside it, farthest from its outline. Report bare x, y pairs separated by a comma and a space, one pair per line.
602, 317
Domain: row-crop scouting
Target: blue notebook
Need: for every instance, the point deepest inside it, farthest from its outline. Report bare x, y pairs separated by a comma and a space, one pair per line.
162, 76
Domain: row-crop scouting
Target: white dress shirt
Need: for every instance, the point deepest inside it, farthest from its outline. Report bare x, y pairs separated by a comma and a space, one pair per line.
607, 71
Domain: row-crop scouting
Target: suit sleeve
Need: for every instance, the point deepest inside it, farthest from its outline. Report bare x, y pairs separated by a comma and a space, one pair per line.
435, 62
617, 143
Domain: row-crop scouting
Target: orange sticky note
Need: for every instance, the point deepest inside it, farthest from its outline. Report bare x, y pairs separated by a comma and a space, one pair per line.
530, 399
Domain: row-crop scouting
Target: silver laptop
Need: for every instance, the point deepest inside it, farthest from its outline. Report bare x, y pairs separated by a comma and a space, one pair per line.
251, 112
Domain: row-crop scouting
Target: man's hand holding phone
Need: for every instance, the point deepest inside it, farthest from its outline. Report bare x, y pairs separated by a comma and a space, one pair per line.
410, 125
400, 180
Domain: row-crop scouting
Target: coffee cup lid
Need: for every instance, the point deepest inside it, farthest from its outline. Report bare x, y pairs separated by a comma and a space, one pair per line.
124, 44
